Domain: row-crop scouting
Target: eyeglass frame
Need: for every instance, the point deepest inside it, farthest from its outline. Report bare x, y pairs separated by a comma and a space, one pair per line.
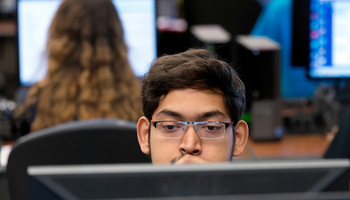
227, 124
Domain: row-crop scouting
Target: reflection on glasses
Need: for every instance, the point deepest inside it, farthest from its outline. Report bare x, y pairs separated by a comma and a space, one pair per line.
205, 129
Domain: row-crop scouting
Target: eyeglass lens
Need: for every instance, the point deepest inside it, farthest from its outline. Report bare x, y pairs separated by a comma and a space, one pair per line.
207, 130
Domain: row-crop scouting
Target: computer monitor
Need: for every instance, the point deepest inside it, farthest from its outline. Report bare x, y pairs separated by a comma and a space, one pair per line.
329, 34
180, 181
138, 19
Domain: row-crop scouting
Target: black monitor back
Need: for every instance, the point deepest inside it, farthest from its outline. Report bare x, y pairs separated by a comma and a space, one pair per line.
236, 16
300, 33
147, 181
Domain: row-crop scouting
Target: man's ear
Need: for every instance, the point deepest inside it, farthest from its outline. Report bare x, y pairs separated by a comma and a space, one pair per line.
142, 134
242, 132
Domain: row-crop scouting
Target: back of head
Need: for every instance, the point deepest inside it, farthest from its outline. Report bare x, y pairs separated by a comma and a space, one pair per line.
196, 69
88, 75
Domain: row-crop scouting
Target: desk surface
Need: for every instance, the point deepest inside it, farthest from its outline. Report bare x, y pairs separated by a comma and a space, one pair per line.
291, 145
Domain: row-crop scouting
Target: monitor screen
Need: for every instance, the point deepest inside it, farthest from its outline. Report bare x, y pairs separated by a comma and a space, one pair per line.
138, 19
329, 43
201, 180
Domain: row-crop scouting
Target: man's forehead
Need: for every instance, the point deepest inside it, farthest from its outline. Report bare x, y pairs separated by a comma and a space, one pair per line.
192, 103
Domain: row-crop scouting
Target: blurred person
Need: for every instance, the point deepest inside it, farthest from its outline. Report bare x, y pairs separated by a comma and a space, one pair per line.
339, 138
89, 75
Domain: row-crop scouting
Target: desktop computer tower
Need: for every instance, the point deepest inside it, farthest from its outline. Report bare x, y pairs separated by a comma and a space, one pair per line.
266, 123
257, 61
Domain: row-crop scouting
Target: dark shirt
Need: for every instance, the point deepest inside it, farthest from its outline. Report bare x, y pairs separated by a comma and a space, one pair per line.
340, 146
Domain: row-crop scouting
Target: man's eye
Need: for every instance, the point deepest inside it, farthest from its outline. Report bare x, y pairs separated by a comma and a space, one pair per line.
211, 128
169, 127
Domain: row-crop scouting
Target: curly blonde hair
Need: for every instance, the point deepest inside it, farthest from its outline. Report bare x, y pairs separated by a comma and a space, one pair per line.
88, 75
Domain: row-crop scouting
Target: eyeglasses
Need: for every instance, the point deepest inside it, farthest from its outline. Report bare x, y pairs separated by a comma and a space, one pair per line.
205, 129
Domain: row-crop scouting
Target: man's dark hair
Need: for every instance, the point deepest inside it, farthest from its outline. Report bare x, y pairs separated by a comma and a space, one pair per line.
196, 69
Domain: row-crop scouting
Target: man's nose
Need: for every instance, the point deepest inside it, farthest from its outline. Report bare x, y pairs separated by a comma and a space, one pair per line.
190, 142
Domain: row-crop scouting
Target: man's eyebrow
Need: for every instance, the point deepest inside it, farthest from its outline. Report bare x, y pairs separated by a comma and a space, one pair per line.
170, 113
210, 114
201, 116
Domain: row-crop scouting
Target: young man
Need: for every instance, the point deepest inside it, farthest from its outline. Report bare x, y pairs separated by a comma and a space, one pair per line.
192, 104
